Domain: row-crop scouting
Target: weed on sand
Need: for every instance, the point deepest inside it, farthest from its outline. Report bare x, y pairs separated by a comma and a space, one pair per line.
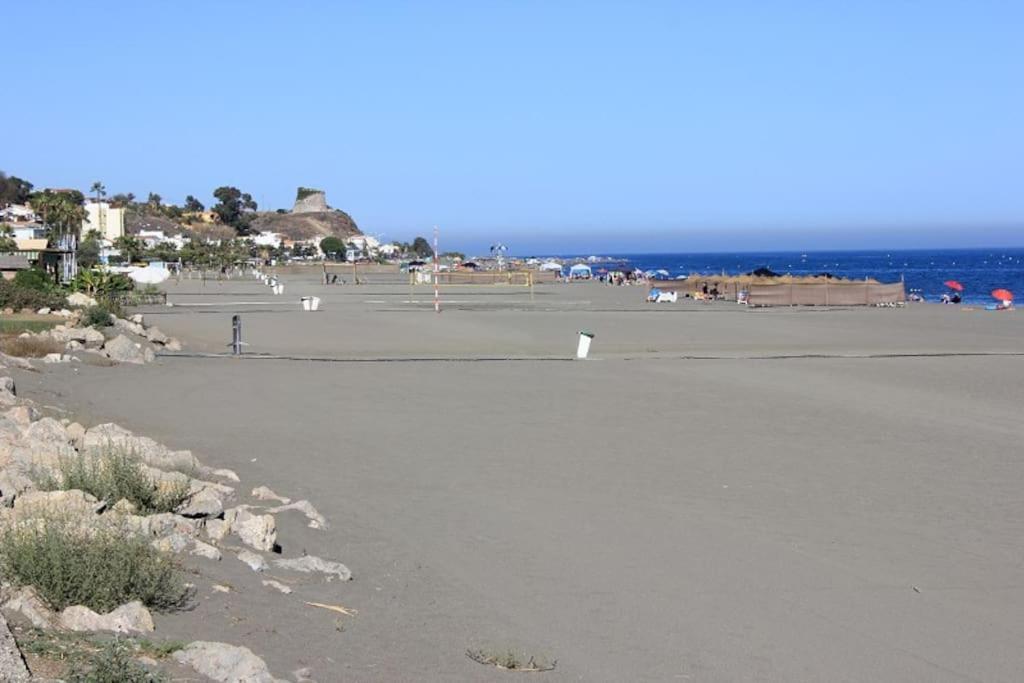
100, 568
113, 474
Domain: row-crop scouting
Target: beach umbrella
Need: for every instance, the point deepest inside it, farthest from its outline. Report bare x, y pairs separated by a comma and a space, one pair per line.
953, 284
1002, 294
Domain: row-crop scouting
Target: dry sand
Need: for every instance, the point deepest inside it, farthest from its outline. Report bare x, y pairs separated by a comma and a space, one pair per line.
718, 494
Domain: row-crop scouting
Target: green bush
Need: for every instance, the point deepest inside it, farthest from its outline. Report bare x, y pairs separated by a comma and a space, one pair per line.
101, 569
13, 295
33, 278
98, 316
113, 663
114, 474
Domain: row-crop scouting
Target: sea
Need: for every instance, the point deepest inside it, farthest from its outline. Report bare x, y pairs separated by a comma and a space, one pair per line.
924, 271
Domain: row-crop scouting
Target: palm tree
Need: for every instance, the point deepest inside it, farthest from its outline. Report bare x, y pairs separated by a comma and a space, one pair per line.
99, 189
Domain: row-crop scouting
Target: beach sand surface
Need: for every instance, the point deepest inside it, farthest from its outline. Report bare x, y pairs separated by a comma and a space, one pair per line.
717, 494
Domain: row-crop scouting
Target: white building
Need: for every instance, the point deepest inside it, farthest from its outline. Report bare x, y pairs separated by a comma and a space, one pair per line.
18, 213
267, 239
104, 219
388, 250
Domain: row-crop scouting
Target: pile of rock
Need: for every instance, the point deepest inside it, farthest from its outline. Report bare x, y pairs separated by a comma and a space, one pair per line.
33, 449
125, 341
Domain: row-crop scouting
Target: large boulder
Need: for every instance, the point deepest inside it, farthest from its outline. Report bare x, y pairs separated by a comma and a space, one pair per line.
44, 503
12, 666
154, 454
123, 350
225, 663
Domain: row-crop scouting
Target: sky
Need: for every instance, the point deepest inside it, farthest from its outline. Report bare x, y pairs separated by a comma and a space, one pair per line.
551, 126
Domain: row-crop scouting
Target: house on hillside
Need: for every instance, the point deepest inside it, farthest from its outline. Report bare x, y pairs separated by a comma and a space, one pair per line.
10, 264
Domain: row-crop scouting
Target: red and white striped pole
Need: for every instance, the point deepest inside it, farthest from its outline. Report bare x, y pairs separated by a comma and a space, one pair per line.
437, 294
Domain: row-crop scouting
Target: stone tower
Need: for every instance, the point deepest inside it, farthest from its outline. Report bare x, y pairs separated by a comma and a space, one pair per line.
309, 200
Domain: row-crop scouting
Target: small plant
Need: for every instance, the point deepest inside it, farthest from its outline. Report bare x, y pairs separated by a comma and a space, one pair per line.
510, 660
30, 347
16, 296
113, 474
98, 316
113, 663
100, 569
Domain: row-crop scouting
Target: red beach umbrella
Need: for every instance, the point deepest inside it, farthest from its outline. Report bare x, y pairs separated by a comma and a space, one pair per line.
1002, 294
953, 284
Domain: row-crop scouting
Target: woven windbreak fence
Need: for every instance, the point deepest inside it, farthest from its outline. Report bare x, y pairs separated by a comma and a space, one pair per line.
826, 294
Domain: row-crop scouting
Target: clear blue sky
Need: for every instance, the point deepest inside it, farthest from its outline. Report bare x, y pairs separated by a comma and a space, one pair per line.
548, 125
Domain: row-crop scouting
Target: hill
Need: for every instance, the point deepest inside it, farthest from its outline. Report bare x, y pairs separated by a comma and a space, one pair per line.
307, 225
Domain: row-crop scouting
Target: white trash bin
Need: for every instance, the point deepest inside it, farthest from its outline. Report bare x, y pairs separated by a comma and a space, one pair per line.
584, 345
307, 303
315, 303
278, 289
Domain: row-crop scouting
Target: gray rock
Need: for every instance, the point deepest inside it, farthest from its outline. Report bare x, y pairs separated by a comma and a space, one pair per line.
48, 430
110, 435
173, 345
175, 542
207, 502
255, 562
92, 339
138, 319
167, 523
277, 585
76, 433
310, 563
123, 350
206, 550
154, 335
226, 474
147, 355
12, 484
316, 520
73, 503
22, 415
129, 618
28, 603
80, 299
256, 531
45, 310
264, 493
217, 529
225, 663
12, 665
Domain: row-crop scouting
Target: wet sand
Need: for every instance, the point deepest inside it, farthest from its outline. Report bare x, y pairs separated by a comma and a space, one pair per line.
717, 494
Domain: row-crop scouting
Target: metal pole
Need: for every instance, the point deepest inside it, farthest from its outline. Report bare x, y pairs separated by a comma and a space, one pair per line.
236, 335
437, 293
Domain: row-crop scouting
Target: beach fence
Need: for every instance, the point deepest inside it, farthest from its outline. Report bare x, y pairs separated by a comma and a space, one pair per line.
843, 293
791, 290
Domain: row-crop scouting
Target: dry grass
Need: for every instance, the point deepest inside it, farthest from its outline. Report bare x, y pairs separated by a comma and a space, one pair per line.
29, 347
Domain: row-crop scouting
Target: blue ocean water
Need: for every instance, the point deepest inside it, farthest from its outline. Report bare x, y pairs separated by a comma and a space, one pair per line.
978, 270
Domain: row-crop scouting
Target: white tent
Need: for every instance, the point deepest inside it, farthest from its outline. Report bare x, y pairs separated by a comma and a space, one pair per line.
580, 270
551, 265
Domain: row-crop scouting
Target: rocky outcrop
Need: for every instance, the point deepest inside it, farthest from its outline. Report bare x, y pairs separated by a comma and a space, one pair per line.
12, 665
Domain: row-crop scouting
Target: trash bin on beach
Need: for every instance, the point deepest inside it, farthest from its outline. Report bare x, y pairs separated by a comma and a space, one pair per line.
278, 288
584, 345
310, 303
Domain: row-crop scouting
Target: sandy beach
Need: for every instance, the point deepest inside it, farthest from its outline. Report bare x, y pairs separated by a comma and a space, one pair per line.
717, 494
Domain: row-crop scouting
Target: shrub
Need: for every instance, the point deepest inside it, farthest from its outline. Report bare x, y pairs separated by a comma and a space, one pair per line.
101, 569
113, 663
114, 474
16, 296
33, 278
98, 316
30, 347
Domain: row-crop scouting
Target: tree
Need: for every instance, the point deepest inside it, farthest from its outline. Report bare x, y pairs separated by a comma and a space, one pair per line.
62, 210
13, 190
122, 201
421, 247
99, 190
131, 247
7, 242
333, 247
89, 250
232, 208
194, 205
